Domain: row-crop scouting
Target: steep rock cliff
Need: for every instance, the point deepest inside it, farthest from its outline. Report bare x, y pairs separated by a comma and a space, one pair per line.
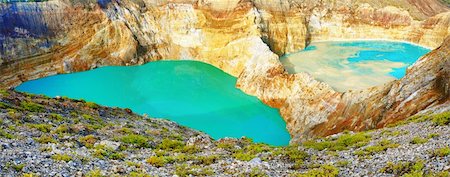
243, 38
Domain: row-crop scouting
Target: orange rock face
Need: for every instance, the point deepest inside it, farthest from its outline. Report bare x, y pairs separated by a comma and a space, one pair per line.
245, 39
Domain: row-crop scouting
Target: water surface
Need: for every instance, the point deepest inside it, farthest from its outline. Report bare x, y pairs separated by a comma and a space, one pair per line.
353, 65
191, 93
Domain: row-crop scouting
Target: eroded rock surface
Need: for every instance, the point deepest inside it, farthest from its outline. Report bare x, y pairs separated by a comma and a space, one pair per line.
243, 38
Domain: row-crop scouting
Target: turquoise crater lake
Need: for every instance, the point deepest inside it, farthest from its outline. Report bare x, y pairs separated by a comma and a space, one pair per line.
193, 94
354, 65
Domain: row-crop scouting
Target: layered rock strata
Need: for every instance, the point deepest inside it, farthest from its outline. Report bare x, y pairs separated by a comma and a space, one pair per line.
244, 38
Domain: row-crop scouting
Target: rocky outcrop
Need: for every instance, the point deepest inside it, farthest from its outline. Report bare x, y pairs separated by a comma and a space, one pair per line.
242, 37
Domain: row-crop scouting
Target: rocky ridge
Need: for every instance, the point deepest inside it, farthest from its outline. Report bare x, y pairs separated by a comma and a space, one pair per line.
243, 38
43, 136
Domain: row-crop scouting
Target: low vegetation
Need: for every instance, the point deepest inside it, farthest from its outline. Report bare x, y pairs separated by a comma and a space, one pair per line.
381, 146
322, 170
62, 157
343, 142
74, 131
440, 119
441, 152
404, 168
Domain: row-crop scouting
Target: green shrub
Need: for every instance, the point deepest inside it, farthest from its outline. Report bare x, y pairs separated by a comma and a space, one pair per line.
135, 139
133, 164
19, 167
403, 168
4, 134
207, 160
92, 105
94, 173
190, 149
343, 142
243, 156
256, 172
4, 93
62, 157
418, 140
317, 145
158, 161
4, 105
438, 119
91, 119
226, 145
185, 170
321, 171
117, 156
88, 141
168, 144
64, 128
441, 174
56, 117
250, 151
342, 163
102, 152
382, 145
45, 128
433, 135
44, 139
138, 174
441, 119
32, 107
441, 152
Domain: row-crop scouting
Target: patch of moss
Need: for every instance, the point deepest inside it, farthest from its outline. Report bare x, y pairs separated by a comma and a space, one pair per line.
44, 139
133, 164
4, 105
64, 128
438, 119
343, 142
4, 134
92, 105
382, 145
138, 174
342, 163
56, 117
185, 170
250, 151
62, 157
94, 173
159, 161
103, 152
393, 133
168, 144
441, 119
441, 152
32, 107
418, 140
256, 172
433, 135
207, 160
92, 120
19, 167
135, 139
323, 170
441, 174
403, 168
88, 141
226, 145
117, 156
29, 175
4, 93
293, 154
45, 128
